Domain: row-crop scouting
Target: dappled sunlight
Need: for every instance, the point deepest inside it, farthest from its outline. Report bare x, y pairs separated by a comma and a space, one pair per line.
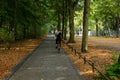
103, 54
77, 61
86, 72
61, 68
60, 78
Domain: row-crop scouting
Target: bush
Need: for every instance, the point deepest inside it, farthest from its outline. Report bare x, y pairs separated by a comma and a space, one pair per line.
115, 57
6, 36
113, 71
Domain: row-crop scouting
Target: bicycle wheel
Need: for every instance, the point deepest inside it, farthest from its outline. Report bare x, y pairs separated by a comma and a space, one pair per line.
58, 48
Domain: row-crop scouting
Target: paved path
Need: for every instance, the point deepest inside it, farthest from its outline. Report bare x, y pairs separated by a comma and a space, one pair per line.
47, 64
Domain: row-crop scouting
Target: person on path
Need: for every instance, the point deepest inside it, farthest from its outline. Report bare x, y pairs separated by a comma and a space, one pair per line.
58, 39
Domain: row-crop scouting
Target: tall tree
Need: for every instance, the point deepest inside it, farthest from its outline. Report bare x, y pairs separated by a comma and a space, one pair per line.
84, 47
97, 28
59, 20
72, 5
95, 15
66, 19
57, 7
63, 17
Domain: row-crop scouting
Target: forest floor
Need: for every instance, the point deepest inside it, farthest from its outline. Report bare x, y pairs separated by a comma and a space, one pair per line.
101, 52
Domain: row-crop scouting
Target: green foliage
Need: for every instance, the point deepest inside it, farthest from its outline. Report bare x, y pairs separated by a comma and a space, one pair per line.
6, 36
115, 56
112, 72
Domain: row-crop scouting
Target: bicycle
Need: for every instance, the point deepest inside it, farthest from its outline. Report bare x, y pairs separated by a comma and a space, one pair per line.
58, 41
59, 46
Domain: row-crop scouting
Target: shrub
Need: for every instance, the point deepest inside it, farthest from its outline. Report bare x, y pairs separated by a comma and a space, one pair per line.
6, 36
115, 57
113, 71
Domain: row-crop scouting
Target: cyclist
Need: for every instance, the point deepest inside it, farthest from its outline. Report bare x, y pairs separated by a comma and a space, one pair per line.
58, 40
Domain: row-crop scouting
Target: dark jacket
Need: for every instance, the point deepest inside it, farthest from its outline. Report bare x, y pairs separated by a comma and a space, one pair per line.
59, 37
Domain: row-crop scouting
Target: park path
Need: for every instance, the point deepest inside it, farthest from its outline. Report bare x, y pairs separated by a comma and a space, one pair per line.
46, 63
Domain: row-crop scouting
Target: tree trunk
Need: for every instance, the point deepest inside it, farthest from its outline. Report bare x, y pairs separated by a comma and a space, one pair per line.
15, 19
66, 19
65, 33
71, 25
24, 32
97, 29
1, 21
119, 59
59, 22
63, 19
84, 47
117, 26
34, 30
72, 6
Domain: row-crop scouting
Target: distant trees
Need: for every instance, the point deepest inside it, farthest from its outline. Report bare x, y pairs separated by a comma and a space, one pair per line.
22, 17
107, 13
65, 13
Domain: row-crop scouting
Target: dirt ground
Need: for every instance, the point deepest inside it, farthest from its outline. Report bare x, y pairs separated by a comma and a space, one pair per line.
101, 52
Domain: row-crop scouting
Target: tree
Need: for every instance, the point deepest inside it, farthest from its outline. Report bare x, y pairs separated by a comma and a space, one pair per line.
84, 47
108, 13
95, 15
71, 7
64, 18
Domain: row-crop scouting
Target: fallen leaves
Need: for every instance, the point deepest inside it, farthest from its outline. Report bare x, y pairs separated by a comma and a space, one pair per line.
18, 51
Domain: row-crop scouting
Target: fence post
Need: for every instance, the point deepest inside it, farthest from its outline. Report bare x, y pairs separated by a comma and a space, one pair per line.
93, 67
84, 60
75, 51
69, 46
72, 49
79, 55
